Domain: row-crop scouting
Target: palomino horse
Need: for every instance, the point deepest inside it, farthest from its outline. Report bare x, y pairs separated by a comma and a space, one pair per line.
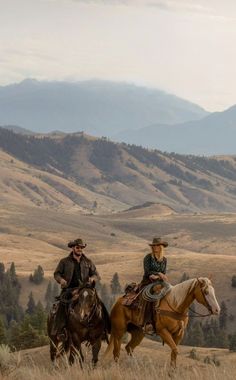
87, 321
170, 317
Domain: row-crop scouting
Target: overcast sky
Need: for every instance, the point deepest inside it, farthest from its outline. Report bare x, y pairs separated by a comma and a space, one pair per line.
186, 47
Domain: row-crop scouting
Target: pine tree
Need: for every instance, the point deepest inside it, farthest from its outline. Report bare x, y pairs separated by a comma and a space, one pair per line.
14, 335
233, 281
197, 338
39, 318
2, 272
48, 295
223, 315
31, 304
55, 291
38, 275
2, 332
222, 340
115, 284
13, 277
105, 295
209, 337
232, 343
12, 271
28, 336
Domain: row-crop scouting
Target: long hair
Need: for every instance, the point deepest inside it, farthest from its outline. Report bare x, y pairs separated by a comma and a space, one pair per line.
161, 253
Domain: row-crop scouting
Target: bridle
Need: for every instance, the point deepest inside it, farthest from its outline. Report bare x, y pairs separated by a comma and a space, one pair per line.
207, 305
177, 315
87, 320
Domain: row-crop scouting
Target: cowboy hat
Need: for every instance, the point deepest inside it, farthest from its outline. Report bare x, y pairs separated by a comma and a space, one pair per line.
159, 241
78, 242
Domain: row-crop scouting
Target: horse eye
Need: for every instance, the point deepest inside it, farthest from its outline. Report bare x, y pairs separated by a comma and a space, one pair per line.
206, 292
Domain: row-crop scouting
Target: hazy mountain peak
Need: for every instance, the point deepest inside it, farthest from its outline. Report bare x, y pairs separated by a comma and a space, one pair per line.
95, 106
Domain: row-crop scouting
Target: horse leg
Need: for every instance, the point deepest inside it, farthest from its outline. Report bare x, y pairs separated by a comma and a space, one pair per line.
178, 336
75, 350
167, 337
53, 350
95, 351
117, 343
137, 336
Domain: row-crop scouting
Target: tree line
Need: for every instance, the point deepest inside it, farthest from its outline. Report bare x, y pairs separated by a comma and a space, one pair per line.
22, 329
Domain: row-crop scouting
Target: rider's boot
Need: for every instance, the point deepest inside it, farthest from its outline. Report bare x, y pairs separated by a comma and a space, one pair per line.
149, 329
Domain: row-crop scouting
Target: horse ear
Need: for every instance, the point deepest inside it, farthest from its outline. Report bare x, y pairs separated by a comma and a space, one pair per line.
201, 281
210, 276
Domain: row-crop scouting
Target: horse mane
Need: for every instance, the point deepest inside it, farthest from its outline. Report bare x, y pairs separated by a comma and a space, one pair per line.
178, 292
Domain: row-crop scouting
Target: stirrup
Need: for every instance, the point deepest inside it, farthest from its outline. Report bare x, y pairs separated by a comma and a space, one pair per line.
63, 336
149, 329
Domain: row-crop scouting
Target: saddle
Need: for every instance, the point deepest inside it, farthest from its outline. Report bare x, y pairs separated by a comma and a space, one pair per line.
132, 291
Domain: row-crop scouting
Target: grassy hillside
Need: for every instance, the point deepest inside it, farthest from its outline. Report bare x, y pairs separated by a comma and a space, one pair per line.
23, 184
150, 360
200, 245
120, 175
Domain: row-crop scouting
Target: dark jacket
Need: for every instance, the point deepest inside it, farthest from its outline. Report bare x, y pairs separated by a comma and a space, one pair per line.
153, 266
66, 266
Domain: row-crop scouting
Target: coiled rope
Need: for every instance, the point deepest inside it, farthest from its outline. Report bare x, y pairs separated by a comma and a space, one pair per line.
149, 296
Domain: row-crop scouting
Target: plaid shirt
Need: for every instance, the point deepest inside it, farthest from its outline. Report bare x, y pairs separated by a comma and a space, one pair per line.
153, 266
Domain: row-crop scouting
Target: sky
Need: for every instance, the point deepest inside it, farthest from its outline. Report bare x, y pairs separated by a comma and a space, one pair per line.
185, 47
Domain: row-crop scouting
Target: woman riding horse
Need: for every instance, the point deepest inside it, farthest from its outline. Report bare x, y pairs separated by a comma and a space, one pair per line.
170, 318
154, 264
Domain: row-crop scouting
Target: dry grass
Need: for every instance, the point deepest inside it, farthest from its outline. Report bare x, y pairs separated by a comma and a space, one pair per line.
198, 244
150, 361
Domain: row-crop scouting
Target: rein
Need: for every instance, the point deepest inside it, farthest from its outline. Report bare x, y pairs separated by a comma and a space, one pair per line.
198, 315
63, 299
86, 321
179, 316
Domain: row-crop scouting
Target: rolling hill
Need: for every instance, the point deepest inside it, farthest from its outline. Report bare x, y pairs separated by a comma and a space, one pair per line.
117, 197
127, 175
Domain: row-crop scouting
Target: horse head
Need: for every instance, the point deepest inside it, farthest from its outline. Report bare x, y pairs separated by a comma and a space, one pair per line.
87, 304
205, 295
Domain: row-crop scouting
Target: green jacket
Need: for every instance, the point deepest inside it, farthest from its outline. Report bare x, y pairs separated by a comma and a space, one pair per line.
153, 266
65, 269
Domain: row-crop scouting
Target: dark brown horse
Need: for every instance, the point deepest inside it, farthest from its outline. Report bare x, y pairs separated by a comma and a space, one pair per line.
87, 321
170, 316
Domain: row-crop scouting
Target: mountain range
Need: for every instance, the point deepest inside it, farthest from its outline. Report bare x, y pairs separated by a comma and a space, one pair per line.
213, 134
101, 108
80, 172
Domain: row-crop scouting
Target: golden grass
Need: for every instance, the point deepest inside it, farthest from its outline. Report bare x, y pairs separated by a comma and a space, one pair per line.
151, 361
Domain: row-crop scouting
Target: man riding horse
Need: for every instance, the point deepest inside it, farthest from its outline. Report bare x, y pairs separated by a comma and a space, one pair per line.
74, 272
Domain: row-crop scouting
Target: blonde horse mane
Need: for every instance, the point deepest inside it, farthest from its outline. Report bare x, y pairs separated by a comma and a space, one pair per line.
178, 292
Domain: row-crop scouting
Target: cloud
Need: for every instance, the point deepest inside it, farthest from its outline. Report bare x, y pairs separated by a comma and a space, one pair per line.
196, 7
180, 6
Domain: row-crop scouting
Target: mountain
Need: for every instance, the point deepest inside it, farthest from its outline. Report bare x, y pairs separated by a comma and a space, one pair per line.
17, 129
215, 134
96, 107
117, 176
25, 185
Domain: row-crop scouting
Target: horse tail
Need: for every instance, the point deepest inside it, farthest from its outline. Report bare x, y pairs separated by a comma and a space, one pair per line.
109, 350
